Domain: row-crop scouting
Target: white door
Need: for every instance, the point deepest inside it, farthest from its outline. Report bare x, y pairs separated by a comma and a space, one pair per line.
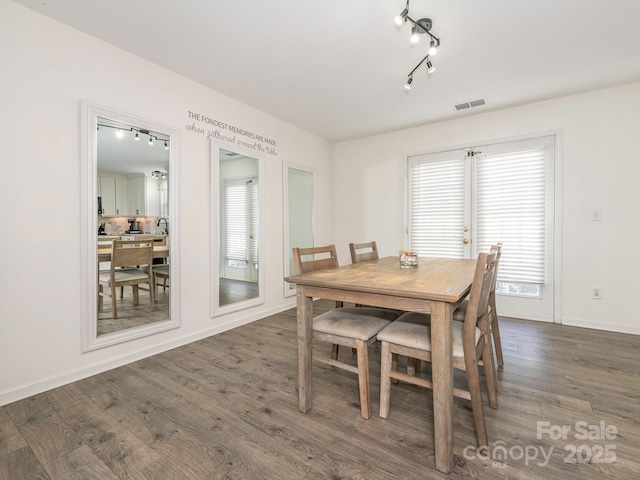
463, 201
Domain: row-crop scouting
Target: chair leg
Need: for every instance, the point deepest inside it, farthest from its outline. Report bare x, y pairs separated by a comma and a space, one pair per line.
136, 295
363, 377
394, 366
411, 366
495, 332
334, 351
473, 379
114, 309
385, 379
153, 288
490, 372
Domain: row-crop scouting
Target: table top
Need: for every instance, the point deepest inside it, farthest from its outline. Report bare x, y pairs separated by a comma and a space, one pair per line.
436, 279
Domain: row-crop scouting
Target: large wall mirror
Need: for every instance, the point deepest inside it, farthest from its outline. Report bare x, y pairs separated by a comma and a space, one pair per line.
129, 176
299, 214
237, 206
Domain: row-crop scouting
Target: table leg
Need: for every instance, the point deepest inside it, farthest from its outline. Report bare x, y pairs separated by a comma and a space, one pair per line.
305, 336
442, 368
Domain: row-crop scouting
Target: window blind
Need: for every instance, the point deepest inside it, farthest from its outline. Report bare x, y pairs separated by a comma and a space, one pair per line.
235, 221
437, 205
255, 221
510, 207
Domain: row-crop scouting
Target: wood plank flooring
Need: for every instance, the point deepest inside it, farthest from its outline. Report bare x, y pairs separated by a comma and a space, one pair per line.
226, 408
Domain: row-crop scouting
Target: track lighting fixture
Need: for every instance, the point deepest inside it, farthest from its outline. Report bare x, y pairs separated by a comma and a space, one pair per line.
122, 129
157, 174
419, 27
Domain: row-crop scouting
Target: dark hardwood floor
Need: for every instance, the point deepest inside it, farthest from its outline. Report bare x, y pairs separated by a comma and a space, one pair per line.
226, 408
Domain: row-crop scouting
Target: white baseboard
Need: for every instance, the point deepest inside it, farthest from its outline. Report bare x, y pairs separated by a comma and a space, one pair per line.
608, 327
75, 375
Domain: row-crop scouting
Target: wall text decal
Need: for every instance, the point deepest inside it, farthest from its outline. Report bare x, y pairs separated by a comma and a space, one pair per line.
230, 133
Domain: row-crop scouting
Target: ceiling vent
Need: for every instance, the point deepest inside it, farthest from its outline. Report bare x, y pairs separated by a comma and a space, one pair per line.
474, 103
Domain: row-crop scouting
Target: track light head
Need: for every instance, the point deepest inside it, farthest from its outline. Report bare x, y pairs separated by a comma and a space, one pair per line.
407, 85
402, 17
415, 35
430, 67
433, 48
137, 137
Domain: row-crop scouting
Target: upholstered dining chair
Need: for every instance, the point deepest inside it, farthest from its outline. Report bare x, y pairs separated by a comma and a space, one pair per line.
354, 327
133, 255
460, 312
411, 335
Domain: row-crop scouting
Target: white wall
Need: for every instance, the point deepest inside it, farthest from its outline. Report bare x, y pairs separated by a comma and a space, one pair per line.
47, 69
601, 168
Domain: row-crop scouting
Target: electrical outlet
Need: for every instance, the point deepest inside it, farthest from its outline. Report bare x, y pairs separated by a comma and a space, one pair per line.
596, 293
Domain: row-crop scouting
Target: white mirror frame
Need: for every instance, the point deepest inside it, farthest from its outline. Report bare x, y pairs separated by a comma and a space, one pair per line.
89, 228
286, 166
216, 309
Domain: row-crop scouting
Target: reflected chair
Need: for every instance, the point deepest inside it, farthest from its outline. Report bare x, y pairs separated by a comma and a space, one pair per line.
161, 272
410, 335
128, 258
460, 312
354, 327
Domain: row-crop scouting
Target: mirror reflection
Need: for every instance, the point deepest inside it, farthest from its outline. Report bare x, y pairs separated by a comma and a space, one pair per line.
299, 214
133, 227
239, 237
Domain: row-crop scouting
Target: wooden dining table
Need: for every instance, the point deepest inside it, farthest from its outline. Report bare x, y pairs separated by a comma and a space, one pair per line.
436, 286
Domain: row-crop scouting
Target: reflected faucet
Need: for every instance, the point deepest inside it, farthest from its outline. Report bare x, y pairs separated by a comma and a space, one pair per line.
166, 225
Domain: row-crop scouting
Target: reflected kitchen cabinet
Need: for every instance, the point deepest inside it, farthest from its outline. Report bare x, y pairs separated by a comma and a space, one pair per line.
144, 196
115, 195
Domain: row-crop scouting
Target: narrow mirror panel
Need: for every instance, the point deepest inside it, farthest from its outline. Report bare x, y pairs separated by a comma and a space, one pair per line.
299, 214
237, 203
130, 188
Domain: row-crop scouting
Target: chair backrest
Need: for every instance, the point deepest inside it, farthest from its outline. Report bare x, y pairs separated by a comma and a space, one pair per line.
478, 306
370, 253
131, 253
497, 248
315, 264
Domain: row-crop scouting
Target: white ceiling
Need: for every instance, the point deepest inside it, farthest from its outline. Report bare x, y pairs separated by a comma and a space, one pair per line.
337, 67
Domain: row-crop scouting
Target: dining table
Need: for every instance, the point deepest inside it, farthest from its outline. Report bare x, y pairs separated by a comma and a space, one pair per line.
436, 286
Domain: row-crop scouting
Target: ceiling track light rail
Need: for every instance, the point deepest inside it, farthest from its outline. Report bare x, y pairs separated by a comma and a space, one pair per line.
420, 27
152, 135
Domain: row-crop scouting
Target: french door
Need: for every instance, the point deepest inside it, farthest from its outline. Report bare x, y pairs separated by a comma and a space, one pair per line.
460, 202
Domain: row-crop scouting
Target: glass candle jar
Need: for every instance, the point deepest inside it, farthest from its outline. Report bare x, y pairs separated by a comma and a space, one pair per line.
408, 258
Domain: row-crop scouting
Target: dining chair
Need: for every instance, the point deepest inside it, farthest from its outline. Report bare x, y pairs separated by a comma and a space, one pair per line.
358, 255
161, 272
354, 327
132, 255
410, 335
460, 312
